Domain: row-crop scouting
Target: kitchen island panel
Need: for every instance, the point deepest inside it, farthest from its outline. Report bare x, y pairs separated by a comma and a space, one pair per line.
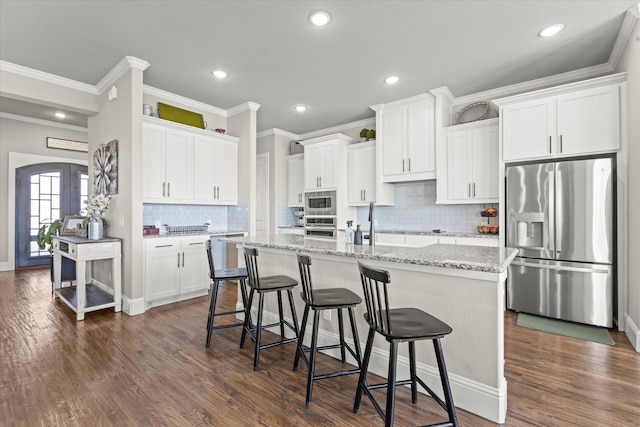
472, 306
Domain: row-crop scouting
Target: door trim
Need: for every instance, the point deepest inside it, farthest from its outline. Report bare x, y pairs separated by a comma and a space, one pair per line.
17, 160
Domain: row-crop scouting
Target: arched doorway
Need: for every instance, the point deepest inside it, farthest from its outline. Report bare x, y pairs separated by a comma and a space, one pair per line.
45, 192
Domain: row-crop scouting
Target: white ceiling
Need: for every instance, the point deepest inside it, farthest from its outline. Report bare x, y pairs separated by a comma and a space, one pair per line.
275, 58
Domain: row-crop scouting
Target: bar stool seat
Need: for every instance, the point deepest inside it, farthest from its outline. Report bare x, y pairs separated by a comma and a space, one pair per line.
319, 300
262, 286
400, 325
222, 275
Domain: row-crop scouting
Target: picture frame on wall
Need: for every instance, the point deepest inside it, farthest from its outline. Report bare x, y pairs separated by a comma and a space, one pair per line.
105, 163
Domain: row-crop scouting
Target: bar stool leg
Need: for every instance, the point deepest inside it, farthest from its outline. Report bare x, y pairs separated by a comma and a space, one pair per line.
281, 315
247, 319
245, 301
343, 353
444, 378
212, 310
412, 370
303, 327
294, 316
362, 381
356, 338
256, 354
391, 384
312, 356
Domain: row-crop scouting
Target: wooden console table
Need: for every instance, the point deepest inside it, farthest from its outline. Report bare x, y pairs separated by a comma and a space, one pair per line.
88, 294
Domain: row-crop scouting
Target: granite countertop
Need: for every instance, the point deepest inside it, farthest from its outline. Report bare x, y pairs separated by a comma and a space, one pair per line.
474, 258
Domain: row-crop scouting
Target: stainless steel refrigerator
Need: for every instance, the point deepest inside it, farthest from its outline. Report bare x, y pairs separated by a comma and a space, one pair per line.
561, 217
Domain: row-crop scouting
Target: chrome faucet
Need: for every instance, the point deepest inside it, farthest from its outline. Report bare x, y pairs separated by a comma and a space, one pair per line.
372, 235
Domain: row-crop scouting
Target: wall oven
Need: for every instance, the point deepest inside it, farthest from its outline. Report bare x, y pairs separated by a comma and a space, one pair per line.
320, 203
320, 227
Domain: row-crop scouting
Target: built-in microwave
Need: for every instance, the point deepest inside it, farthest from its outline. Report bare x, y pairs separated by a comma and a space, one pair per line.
320, 203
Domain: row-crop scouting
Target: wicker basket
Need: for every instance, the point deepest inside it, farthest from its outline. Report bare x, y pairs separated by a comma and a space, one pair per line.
182, 230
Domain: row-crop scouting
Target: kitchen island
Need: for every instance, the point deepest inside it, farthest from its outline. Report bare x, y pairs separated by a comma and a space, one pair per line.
462, 285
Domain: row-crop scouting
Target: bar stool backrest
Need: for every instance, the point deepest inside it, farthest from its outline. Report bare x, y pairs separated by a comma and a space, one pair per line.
374, 286
212, 269
251, 261
304, 263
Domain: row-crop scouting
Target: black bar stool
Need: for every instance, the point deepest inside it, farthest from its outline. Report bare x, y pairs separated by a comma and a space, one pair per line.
218, 276
264, 285
319, 300
400, 325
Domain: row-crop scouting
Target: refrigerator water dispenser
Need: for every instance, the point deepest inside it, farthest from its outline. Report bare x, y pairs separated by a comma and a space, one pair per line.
529, 226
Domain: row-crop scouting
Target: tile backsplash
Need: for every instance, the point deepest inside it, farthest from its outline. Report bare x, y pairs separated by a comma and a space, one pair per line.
415, 209
221, 217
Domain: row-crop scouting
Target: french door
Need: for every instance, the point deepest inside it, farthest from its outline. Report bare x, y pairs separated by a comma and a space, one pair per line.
45, 192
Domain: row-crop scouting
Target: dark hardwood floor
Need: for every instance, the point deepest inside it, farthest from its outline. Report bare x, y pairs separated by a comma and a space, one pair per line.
154, 370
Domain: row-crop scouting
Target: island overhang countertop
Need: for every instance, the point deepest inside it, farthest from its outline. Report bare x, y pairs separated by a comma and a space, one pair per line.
462, 257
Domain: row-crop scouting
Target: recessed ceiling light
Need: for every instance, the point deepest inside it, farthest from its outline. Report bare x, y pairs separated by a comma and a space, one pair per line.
551, 30
219, 74
320, 18
60, 114
392, 80
301, 108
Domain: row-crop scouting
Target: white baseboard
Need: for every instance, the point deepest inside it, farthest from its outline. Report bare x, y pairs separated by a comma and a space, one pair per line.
633, 332
480, 399
133, 307
5, 266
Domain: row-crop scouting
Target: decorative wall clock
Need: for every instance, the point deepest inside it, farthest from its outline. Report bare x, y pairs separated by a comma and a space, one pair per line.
105, 165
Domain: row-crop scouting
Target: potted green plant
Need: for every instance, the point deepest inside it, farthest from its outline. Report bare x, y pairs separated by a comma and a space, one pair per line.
363, 134
371, 134
44, 241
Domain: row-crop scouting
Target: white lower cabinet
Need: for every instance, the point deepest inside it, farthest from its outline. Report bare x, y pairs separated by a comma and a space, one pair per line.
176, 268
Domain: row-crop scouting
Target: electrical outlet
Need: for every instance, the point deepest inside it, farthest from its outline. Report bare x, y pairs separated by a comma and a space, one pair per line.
326, 314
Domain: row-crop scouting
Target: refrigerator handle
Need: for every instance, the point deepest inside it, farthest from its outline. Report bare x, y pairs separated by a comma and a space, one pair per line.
558, 214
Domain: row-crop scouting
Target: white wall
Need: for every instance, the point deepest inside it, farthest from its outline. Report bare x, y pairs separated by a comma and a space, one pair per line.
630, 62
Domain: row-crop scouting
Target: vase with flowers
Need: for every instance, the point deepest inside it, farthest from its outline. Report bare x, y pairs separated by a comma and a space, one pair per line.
97, 204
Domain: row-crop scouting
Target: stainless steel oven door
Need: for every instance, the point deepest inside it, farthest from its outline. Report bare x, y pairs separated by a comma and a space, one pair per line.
328, 233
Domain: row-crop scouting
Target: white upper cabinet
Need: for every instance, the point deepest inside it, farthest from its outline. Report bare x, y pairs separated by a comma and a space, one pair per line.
575, 119
322, 164
183, 165
295, 180
470, 172
405, 134
362, 173
215, 171
166, 165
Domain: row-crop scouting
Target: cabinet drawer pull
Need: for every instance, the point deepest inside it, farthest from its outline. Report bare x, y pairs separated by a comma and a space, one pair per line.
195, 243
163, 246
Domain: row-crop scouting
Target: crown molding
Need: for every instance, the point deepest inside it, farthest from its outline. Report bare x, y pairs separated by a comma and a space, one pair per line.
127, 63
47, 77
277, 132
42, 122
557, 79
200, 106
337, 129
246, 106
626, 29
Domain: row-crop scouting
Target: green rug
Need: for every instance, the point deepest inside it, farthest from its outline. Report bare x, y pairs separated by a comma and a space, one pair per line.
569, 329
